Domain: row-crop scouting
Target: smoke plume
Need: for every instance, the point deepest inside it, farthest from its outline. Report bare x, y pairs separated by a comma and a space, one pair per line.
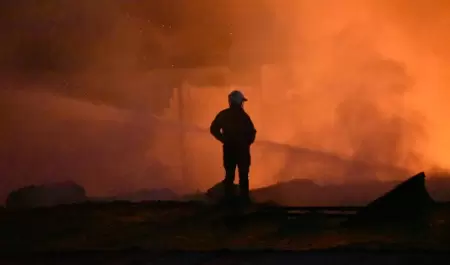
85, 87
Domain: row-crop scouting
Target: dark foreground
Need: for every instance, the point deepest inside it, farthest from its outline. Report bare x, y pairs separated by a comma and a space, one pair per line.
137, 257
142, 233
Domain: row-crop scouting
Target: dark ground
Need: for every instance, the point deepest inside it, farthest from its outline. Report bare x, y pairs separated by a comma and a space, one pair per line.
233, 257
99, 233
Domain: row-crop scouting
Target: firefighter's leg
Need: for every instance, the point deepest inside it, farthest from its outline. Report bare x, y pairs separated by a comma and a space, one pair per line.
244, 169
244, 189
229, 163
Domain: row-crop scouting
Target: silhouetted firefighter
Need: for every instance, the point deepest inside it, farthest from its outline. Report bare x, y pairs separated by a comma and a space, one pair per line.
234, 128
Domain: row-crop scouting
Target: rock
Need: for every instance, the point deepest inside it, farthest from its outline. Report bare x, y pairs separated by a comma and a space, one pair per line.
217, 191
409, 202
295, 192
46, 195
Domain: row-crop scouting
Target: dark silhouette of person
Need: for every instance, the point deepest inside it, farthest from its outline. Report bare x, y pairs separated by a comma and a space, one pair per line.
234, 128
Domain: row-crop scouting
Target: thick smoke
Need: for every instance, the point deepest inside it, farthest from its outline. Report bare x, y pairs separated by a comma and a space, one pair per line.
371, 116
82, 81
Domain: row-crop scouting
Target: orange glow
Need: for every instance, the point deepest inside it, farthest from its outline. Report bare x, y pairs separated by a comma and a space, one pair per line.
365, 80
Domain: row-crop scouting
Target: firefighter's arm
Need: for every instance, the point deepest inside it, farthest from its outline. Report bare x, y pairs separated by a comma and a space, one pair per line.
252, 130
216, 127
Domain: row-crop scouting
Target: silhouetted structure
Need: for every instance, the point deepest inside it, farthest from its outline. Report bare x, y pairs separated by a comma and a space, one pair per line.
409, 202
46, 195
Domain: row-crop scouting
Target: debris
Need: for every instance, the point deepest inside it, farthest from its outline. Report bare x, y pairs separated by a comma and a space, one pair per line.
46, 195
217, 192
409, 202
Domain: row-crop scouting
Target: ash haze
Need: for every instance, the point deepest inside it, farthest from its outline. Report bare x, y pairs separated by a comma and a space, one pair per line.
82, 81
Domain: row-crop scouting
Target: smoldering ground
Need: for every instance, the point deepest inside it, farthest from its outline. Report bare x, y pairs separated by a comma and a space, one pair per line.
348, 77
